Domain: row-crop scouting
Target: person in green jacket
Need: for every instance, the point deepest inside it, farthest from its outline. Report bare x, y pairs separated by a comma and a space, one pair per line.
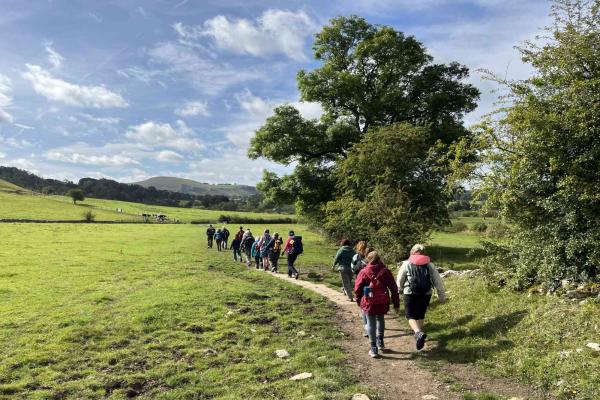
342, 263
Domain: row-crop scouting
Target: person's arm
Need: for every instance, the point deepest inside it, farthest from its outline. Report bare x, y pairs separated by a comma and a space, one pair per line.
336, 258
359, 286
401, 279
437, 282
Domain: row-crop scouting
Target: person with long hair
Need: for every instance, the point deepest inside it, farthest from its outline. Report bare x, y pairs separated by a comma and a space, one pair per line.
373, 287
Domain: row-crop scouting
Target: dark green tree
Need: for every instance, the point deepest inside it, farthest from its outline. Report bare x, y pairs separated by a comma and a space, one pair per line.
370, 77
76, 195
542, 155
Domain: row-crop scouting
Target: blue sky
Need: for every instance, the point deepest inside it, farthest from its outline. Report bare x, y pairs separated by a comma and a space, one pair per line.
128, 89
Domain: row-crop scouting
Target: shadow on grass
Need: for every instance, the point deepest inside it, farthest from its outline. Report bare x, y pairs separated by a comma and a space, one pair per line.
471, 350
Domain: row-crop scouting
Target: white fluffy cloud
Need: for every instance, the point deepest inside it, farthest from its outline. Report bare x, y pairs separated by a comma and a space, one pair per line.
169, 156
5, 99
2, 155
75, 95
193, 108
86, 159
163, 134
54, 57
275, 32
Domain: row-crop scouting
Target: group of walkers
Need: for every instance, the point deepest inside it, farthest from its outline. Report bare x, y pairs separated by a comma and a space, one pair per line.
375, 288
263, 252
365, 278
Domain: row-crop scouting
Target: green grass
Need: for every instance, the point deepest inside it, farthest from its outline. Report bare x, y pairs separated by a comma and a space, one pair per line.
513, 335
116, 311
454, 250
16, 204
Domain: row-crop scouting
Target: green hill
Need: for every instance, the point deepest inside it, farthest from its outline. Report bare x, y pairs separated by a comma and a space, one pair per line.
11, 188
192, 187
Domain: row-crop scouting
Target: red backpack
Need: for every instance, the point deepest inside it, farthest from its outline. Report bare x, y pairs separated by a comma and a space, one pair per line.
377, 293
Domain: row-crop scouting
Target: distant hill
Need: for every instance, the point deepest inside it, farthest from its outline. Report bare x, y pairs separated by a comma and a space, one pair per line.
10, 187
192, 187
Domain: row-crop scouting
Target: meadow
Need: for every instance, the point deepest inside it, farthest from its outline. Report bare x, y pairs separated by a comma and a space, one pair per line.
146, 311
17, 203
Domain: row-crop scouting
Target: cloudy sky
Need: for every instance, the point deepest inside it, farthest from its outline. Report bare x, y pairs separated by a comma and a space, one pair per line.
129, 89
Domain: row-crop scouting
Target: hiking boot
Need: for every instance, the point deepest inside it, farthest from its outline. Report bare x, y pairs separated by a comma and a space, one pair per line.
420, 338
380, 344
373, 352
297, 275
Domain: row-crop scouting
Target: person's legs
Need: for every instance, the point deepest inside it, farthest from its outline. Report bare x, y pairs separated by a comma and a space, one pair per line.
347, 281
363, 318
234, 255
416, 307
291, 269
265, 263
210, 240
380, 331
371, 328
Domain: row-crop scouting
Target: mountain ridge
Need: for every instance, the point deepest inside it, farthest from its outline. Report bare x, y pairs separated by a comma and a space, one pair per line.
189, 186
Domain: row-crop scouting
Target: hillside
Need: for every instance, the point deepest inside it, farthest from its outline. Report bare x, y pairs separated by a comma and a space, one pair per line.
192, 187
10, 187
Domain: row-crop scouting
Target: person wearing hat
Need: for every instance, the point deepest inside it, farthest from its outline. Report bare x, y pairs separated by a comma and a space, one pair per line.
292, 256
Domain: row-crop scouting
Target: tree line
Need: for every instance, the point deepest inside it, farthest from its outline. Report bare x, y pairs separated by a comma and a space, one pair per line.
391, 152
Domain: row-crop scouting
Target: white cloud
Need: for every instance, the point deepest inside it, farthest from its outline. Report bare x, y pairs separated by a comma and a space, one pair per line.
102, 160
163, 134
275, 32
100, 120
193, 108
2, 155
54, 57
253, 104
75, 95
169, 156
5, 99
15, 143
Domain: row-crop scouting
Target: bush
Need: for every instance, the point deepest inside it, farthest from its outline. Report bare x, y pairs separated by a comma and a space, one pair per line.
456, 227
479, 227
235, 219
89, 216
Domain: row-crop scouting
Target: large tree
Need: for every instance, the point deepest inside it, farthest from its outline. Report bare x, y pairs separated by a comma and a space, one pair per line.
370, 77
542, 155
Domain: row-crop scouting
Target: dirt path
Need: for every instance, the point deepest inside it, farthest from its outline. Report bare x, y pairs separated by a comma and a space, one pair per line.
396, 375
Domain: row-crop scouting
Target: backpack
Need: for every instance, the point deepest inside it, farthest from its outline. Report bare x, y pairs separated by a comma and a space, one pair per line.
297, 247
218, 236
377, 293
248, 243
420, 279
358, 263
277, 246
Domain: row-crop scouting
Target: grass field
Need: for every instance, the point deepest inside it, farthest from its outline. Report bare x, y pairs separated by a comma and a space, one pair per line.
16, 203
116, 311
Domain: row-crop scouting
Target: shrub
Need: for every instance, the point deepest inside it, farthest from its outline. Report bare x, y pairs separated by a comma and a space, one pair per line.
456, 227
479, 227
89, 216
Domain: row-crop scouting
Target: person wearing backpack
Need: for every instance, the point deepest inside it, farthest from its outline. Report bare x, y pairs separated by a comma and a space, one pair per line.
255, 252
219, 239
226, 234
373, 286
293, 247
274, 249
417, 277
264, 240
210, 234
240, 234
246, 245
359, 261
342, 263
235, 247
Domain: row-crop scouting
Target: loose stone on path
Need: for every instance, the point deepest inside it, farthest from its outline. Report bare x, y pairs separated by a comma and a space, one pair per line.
282, 353
302, 376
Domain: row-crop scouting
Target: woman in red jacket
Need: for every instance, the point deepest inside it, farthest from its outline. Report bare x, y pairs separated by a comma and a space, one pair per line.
372, 287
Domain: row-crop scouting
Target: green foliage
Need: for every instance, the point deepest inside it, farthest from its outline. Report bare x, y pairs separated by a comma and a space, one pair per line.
543, 155
456, 226
76, 195
479, 227
89, 216
370, 77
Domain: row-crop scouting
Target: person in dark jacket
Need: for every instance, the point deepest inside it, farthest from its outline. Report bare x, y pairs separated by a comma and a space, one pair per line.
225, 232
274, 251
236, 247
342, 263
373, 286
210, 234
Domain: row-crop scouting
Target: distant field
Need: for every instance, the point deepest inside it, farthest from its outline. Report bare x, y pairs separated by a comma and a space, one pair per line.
23, 204
145, 311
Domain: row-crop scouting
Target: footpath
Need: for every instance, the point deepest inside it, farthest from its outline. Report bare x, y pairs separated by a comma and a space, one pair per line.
396, 374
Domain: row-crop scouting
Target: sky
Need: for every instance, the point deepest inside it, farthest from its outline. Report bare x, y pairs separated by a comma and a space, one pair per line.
129, 89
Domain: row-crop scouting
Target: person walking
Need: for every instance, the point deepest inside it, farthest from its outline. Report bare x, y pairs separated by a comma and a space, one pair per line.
417, 277
219, 239
264, 240
293, 247
373, 286
342, 263
274, 248
255, 252
240, 234
246, 245
226, 234
235, 247
359, 261
210, 234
